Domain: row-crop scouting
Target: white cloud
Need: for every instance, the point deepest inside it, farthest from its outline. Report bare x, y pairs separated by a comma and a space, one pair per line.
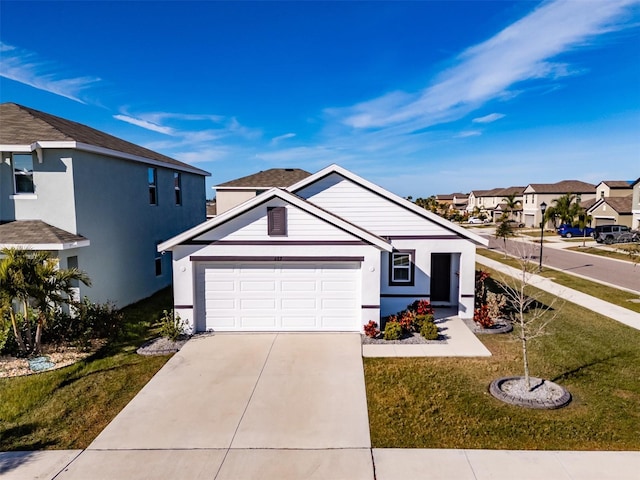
492, 117
26, 67
469, 133
521, 52
145, 124
276, 140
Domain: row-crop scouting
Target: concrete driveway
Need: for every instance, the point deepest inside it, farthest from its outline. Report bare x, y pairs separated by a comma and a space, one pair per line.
243, 406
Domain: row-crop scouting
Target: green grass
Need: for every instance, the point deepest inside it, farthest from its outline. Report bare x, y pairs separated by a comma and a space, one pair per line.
602, 252
67, 408
616, 296
444, 402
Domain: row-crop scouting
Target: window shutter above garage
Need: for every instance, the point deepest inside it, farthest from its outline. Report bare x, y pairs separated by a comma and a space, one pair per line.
277, 221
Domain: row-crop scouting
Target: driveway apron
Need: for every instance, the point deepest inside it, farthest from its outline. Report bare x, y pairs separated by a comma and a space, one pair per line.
243, 406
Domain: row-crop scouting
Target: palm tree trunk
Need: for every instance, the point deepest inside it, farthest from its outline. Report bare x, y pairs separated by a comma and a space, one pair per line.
27, 324
39, 332
16, 332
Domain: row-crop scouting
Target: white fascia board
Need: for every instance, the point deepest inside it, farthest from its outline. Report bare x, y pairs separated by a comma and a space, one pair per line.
389, 196
115, 153
47, 246
287, 197
101, 151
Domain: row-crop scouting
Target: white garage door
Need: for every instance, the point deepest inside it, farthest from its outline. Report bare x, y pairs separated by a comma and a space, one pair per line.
281, 296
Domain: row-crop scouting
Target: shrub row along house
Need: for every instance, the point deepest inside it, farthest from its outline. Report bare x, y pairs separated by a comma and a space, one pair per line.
96, 202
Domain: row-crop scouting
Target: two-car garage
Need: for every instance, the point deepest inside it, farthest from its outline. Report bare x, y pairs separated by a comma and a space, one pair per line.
279, 296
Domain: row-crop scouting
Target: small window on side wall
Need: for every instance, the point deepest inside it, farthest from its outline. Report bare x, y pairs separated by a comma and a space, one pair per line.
401, 268
153, 184
177, 186
23, 173
277, 221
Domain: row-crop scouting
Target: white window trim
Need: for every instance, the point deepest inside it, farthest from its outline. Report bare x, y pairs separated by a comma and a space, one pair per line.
24, 196
409, 268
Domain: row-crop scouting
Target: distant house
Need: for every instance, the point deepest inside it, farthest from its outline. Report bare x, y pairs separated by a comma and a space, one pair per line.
635, 205
454, 201
329, 253
537, 193
97, 202
492, 204
613, 188
612, 210
235, 192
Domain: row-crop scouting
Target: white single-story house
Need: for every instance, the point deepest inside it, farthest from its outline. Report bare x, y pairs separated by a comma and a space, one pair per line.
329, 253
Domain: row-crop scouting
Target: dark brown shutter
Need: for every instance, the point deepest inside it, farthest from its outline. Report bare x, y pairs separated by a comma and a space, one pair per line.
276, 221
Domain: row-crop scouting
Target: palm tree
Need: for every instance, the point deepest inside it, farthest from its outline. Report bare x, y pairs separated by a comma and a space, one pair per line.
584, 220
565, 209
504, 230
33, 279
512, 203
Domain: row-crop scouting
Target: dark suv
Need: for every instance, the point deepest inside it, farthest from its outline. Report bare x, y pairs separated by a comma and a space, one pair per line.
612, 234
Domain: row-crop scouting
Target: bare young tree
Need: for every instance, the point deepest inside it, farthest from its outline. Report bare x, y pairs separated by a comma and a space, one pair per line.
530, 313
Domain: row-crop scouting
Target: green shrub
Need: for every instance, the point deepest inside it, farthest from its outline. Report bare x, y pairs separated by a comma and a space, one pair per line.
5, 329
392, 331
429, 330
87, 321
421, 319
171, 325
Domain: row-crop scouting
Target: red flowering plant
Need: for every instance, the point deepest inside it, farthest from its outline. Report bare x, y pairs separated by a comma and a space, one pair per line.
421, 307
406, 320
371, 329
481, 317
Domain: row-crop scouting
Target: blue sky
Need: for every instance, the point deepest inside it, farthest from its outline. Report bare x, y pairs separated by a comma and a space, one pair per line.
419, 97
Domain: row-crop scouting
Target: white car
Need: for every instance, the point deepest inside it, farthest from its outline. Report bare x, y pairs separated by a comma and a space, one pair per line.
474, 220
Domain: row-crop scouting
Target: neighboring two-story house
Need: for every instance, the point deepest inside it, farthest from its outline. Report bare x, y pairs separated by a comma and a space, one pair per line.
613, 188
97, 202
635, 205
537, 193
235, 192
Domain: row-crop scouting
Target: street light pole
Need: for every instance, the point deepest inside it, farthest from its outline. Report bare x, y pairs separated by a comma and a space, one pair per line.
543, 208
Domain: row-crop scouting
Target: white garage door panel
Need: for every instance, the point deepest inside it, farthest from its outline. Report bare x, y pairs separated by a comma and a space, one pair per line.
285, 296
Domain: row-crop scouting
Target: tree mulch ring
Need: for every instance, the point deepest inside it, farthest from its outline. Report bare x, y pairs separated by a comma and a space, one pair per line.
162, 346
500, 326
544, 394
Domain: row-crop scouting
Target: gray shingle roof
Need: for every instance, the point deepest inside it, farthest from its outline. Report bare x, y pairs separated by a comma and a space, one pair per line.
617, 183
274, 177
35, 232
564, 186
620, 204
21, 125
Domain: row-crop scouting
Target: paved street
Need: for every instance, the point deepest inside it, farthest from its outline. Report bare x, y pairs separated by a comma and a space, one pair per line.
615, 272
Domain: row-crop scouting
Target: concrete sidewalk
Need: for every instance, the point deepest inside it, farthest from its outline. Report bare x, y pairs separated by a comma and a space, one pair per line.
389, 464
615, 312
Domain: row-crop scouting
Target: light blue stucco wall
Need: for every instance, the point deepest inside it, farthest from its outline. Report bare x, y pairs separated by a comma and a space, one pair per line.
113, 212
106, 200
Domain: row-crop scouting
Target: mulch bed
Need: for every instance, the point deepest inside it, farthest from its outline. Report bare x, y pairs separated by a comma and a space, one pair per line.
61, 356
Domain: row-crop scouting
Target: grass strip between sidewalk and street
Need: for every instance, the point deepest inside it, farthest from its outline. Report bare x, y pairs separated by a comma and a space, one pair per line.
444, 402
67, 408
602, 252
619, 297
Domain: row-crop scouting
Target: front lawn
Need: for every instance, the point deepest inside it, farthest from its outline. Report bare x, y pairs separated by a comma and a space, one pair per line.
445, 403
67, 408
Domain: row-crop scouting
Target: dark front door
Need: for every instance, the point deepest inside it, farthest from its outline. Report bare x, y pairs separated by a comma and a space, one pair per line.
440, 277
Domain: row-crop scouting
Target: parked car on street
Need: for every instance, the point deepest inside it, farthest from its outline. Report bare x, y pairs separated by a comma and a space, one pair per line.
514, 224
614, 234
567, 231
474, 220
